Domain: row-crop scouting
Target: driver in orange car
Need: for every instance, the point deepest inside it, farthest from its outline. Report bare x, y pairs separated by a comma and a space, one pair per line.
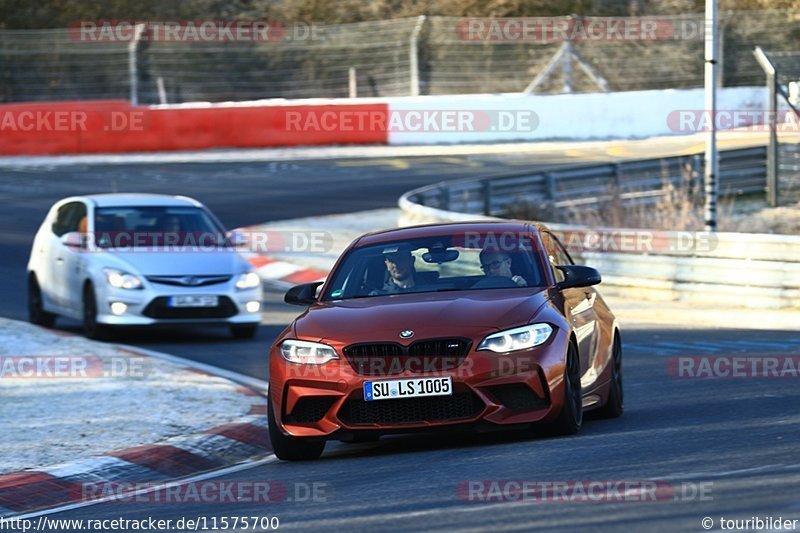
494, 263
402, 274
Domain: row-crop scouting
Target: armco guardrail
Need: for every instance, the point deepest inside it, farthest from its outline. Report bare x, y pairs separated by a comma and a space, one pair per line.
788, 168
731, 269
741, 171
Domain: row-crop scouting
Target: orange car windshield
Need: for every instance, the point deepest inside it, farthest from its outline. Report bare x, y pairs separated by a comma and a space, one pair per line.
435, 265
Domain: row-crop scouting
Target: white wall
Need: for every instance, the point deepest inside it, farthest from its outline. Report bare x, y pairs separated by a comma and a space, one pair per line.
616, 115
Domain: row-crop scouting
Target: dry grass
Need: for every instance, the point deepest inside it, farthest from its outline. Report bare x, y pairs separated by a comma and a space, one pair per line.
675, 210
676, 206
756, 217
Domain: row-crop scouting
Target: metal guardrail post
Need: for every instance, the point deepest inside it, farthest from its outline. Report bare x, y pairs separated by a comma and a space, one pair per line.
566, 68
413, 56
712, 156
352, 84
487, 197
133, 70
444, 191
162, 90
697, 172
551, 186
772, 148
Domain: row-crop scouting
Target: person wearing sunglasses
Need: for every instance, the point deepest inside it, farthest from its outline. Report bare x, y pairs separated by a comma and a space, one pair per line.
495, 263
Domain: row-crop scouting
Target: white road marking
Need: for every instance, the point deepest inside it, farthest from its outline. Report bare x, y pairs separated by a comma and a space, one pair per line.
259, 385
729, 473
81, 466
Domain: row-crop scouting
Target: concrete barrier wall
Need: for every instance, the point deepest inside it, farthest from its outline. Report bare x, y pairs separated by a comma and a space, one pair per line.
616, 115
112, 126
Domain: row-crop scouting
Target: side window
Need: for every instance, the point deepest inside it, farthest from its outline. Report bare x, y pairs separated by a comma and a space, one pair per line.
556, 254
69, 218
562, 256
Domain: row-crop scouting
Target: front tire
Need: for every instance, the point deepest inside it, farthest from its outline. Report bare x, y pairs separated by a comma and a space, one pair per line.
570, 419
614, 405
36, 313
91, 327
291, 448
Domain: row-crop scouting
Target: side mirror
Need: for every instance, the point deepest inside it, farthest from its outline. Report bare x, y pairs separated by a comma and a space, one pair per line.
305, 294
73, 239
578, 276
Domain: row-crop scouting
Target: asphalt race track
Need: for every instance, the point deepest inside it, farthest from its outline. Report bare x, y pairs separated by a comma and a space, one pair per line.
718, 447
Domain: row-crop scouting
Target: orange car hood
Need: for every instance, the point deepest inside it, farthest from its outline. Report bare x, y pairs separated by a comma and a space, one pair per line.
429, 315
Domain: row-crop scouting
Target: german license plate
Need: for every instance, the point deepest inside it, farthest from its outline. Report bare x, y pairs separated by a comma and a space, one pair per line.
192, 300
407, 388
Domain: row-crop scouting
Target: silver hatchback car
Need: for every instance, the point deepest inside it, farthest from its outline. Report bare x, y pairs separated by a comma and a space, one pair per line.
139, 260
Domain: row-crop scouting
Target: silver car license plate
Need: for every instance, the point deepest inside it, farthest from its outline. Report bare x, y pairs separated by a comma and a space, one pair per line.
191, 300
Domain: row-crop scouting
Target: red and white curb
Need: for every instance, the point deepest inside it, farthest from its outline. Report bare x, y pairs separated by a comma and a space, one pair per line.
241, 440
283, 273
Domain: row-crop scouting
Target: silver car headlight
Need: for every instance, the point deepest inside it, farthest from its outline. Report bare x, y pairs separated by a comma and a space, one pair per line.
122, 280
248, 280
305, 352
521, 338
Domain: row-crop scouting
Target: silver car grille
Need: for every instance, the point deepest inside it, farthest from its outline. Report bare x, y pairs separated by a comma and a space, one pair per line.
188, 281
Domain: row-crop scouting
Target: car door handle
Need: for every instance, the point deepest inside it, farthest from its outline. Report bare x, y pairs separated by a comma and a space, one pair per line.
59, 259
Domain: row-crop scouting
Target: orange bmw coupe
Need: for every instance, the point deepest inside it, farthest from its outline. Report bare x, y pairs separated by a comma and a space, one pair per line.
478, 325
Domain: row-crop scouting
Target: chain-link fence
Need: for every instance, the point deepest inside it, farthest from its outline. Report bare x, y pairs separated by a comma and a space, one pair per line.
428, 55
315, 62
49, 65
787, 67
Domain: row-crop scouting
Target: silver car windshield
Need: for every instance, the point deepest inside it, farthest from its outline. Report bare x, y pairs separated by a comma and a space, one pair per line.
145, 225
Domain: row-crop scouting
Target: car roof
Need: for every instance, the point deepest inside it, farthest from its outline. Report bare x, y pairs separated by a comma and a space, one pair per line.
140, 199
433, 230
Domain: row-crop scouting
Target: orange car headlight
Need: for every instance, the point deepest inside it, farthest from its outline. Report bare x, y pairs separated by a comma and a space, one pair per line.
521, 338
307, 353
